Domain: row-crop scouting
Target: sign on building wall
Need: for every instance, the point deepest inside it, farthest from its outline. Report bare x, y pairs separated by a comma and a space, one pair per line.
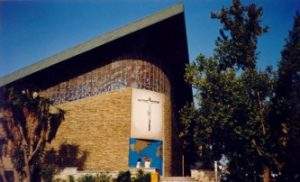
147, 114
142, 150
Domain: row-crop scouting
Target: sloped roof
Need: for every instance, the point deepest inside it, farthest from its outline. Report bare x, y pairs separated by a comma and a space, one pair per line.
93, 43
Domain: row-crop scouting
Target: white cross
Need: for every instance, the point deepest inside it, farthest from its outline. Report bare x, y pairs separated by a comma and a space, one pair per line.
150, 102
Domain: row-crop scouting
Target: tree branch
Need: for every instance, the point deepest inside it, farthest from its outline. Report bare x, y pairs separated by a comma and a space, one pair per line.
258, 149
261, 114
42, 138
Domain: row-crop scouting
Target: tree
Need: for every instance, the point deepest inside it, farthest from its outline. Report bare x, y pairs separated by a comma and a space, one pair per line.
234, 98
28, 122
186, 136
286, 110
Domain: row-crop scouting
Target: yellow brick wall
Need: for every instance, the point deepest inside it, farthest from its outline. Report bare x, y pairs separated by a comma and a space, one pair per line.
100, 125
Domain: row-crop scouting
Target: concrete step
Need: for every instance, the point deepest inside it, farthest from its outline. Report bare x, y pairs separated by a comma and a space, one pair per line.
176, 179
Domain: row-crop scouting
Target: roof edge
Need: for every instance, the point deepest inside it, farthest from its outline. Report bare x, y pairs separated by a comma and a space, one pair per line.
93, 43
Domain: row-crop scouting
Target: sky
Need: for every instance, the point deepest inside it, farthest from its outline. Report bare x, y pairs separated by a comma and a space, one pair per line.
34, 30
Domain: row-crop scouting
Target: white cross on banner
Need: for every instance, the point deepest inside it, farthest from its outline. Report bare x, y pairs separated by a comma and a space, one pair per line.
147, 109
150, 102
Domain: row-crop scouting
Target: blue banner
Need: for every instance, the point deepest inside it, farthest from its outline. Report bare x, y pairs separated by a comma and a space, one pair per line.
141, 150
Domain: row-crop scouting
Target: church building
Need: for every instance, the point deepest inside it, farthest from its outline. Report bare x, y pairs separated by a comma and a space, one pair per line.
121, 93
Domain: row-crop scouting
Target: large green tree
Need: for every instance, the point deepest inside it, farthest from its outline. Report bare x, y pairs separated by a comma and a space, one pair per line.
27, 123
231, 117
286, 109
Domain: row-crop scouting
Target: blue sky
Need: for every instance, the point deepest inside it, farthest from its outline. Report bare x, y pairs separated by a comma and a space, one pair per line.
33, 30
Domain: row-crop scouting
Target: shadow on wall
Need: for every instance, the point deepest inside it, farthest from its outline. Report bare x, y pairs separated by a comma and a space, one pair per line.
67, 155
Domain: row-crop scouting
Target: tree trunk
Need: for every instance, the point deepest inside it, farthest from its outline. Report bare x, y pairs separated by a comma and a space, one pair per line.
27, 173
2, 174
266, 174
17, 175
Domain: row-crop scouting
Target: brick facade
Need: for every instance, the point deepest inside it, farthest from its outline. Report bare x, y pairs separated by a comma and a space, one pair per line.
100, 125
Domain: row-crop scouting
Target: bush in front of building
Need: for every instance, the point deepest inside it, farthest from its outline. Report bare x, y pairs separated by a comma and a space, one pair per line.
124, 176
141, 177
101, 177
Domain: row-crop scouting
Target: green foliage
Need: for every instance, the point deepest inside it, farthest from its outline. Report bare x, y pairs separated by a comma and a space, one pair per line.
87, 178
124, 176
236, 45
71, 178
286, 109
187, 131
142, 177
233, 97
101, 177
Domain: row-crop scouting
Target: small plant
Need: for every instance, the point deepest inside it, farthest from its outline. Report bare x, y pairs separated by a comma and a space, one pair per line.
124, 176
101, 177
87, 178
142, 177
71, 178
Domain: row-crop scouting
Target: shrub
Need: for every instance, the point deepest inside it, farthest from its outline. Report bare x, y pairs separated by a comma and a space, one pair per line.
101, 177
142, 177
87, 178
124, 176
71, 178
